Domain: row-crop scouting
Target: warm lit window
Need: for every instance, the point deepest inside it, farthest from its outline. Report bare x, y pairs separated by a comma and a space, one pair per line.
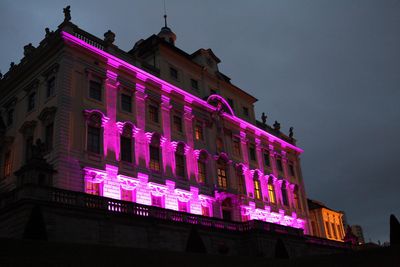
180, 161
195, 84
178, 124
182, 206
126, 144
155, 154
271, 192
31, 101
257, 187
51, 83
279, 164
7, 164
222, 177
201, 168
252, 152
236, 147
153, 113
205, 211
173, 73
93, 188
95, 90
156, 201
126, 103
126, 195
198, 132
266, 159
49, 132
284, 194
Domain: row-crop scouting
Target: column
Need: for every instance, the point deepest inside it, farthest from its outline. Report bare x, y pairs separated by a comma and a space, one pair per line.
263, 181
247, 174
168, 151
191, 162
141, 141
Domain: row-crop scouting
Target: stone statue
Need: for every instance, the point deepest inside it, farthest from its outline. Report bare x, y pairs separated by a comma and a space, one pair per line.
264, 118
28, 50
277, 126
291, 132
67, 13
12, 65
109, 37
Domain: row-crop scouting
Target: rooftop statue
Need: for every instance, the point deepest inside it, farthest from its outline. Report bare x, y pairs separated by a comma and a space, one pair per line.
67, 13
264, 118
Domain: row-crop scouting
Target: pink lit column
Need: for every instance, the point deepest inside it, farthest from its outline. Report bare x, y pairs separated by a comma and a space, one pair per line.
286, 174
111, 185
263, 181
111, 136
247, 174
195, 203
191, 164
141, 141
170, 197
168, 150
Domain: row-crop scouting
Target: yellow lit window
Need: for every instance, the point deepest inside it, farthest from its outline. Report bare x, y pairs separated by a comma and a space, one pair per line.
257, 189
271, 193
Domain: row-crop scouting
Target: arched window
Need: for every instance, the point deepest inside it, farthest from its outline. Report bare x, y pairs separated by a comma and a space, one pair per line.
202, 167
222, 174
284, 194
155, 163
94, 136
257, 187
296, 197
241, 181
180, 160
271, 191
126, 143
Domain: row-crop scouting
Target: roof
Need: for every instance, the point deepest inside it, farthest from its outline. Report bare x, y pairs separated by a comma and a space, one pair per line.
314, 204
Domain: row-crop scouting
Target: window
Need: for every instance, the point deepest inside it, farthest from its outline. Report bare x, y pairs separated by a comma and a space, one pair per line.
95, 91
241, 182
173, 73
180, 161
126, 144
284, 194
93, 188
220, 145
126, 195
328, 230
51, 83
153, 113
205, 211
271, 192
195, 84
126, 103
155, 153
10, 117
230, 102
252, 152
334, 231
31, 101
246, 111
28, 148
182, 206
178, 123
257, 190
198, 132
266, 159
222, 177
94, 139
49, 130
156, 201
291, 169
279, 164
236, 147
202, 170
296, 197
7, 164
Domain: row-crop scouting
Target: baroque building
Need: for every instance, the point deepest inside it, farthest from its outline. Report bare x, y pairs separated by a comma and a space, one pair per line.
153, 132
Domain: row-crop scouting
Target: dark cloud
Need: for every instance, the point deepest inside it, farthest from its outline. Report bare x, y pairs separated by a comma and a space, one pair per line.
328, 68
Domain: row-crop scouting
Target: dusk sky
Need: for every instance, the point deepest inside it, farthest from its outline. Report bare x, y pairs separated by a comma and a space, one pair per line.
330, 69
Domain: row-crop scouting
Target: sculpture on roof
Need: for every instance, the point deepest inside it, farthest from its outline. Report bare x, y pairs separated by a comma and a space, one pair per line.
277, 126
264, 118
291, 132
67, 13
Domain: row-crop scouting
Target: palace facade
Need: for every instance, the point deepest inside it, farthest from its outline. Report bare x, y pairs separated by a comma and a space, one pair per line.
154, 126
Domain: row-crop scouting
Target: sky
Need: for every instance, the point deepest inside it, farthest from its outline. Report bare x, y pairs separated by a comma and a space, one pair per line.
328, 68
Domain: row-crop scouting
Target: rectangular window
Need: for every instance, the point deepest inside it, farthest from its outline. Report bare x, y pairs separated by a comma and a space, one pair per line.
173, 73
230, 102
126, 103
222, 179
7, 164
328, 229
93, 188
334, 231
153, 114
266, 159
49, 132
10, 117
252, 151
291, 170
195, 84
236, 147
241, 185
271, 193
246, 111
205, 211
51, 83
180, 165
202, 172
198, 132
279, 164
154, 158
93, 138
182, 206
126, 149
257, 190
31, 101
28, 148
95, 91
156, 201
126, 195
178, 124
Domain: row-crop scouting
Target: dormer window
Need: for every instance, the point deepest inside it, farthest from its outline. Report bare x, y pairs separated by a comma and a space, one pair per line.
173, 73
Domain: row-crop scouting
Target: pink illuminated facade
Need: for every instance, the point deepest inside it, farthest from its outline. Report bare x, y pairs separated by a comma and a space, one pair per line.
154, 126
